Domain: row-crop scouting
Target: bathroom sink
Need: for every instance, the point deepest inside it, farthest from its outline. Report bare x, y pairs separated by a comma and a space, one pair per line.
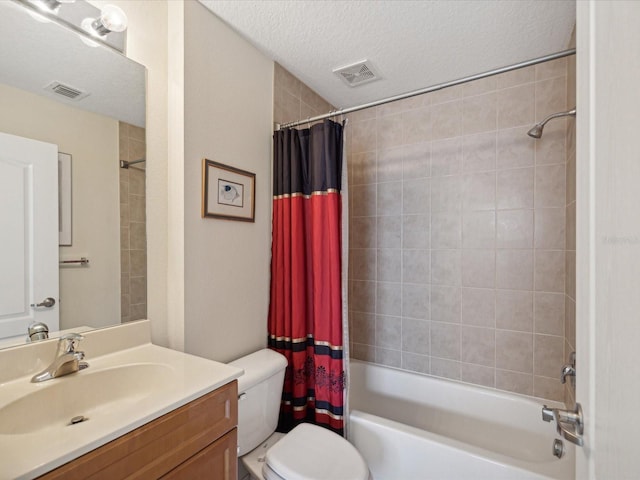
84, 396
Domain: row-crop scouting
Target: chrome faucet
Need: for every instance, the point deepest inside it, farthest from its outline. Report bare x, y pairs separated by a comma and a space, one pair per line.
68, 359
569, 370
569, 423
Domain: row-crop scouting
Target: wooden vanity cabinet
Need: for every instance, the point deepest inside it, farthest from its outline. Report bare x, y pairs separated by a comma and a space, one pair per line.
196, 441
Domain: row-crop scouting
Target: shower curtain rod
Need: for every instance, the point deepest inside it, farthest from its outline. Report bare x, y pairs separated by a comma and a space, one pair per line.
440, 86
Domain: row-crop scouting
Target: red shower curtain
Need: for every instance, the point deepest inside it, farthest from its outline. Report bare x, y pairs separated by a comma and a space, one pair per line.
305, 312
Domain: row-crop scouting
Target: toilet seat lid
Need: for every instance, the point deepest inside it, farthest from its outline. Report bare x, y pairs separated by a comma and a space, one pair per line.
310, 452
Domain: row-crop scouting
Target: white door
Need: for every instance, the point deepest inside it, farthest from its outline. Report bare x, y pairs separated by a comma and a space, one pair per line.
608, 238
28, 234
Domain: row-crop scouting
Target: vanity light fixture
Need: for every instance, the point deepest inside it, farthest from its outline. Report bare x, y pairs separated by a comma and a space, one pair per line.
111, 19
50, 6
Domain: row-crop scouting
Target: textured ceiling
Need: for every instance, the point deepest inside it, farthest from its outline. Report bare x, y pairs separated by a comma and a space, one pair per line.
412, 44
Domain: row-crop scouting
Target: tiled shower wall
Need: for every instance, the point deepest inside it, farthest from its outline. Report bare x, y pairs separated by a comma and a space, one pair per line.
457, 232
293, 100
133, 225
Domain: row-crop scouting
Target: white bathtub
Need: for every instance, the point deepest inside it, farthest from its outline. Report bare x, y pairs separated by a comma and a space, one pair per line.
416, 427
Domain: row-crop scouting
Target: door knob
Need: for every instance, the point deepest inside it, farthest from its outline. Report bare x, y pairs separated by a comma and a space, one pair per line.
47, 302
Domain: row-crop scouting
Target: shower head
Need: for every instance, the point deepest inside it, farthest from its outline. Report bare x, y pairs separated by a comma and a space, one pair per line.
536, 131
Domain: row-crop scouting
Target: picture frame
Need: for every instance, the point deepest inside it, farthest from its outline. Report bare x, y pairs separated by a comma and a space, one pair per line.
64, 200
228, 193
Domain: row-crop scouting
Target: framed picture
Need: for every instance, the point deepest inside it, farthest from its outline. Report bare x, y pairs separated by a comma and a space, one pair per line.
64, 199
227, 192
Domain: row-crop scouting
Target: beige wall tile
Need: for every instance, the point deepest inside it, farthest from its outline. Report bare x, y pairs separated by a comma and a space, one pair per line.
446, 230
446, 94
124, 237
515, 188
478, 87
554, 68
366, 353
363, 296
515, 148
445, 340
388, 332
570, 321
415, 363
550, 388
514, 269
441, 367
516, 77
363, 200
416, 232
363, 328
362, 263
137, 208
550, 186
516, 106
416, 196
549, 270
514, 229
570, 267
478, 375
549, 313
286, 80
391, 358
570, 213
138, 312
478, 268
389, 231
138, 290
446, 267
478, 345
479, 229
362, 232
363, 168
388, 299
448, 120
514, 382
551, 148
416, 266
551, 97
446, 194
363, 136
479, 307
514, 351
514, 310
389, 265
389, 131
417, 160
479, 191
416, 125
446, 157
415, 338
446, 303
479, 113
389, 198
138, 264
479, 152
389, 166
550, 228
548, 355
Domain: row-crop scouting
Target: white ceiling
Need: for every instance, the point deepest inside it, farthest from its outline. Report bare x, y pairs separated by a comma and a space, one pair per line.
412, 44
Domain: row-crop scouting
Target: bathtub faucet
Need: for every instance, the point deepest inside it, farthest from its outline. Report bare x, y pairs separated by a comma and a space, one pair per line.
569, 424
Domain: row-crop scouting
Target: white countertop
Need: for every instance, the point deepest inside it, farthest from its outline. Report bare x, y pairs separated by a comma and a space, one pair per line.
27, 455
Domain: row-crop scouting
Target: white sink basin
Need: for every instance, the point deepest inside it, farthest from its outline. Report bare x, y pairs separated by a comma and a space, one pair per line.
120, 391
90, 393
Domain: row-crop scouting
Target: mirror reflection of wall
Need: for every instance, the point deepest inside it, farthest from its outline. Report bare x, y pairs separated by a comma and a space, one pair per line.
89, 296
133, 228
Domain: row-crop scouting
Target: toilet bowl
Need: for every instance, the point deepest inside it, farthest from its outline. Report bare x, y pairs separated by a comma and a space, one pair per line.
308, 452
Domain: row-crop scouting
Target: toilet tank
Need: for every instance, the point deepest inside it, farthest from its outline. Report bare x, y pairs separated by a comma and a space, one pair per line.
259, 394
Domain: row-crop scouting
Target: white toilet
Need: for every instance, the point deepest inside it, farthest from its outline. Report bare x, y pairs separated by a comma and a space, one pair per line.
308, 452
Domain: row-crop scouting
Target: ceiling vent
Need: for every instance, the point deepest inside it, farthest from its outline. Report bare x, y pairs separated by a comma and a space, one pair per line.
66, 91
357, 73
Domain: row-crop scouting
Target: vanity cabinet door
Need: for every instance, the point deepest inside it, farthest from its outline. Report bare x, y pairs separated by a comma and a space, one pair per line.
160, 446
218, 461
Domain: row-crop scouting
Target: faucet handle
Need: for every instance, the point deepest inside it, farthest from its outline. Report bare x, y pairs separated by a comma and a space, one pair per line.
69, 342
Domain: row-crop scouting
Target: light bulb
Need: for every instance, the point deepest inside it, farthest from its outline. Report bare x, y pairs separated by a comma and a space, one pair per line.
113, 18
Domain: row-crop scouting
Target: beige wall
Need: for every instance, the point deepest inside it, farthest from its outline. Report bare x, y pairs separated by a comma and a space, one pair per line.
228, 103
458, 232
88, 295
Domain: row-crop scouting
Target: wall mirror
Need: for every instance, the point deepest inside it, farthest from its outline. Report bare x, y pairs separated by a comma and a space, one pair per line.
89, 100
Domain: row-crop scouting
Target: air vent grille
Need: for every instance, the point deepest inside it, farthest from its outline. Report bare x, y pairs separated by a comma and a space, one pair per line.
357, 73
66, 91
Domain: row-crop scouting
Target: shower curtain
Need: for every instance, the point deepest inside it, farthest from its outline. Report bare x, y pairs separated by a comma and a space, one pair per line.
305, 311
